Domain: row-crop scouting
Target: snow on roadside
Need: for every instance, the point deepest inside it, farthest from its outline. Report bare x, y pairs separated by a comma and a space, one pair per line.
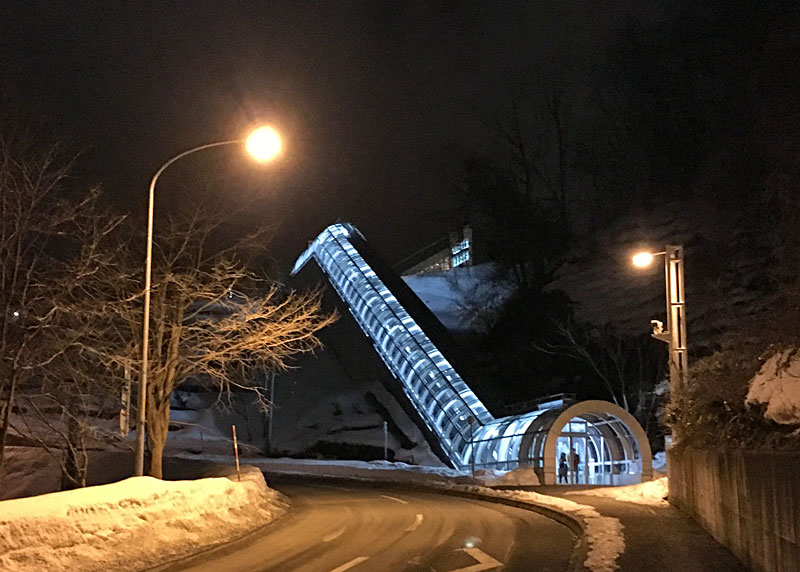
777, 385
523, 476
132, 524
604, 534
651, 493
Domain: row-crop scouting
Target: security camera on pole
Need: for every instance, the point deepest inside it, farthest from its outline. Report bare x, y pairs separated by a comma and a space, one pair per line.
675, 334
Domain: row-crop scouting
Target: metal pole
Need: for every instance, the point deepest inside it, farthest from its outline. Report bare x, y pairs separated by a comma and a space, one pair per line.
236, 453
471, 420
271, 411
385, 441
148, 264
676, 318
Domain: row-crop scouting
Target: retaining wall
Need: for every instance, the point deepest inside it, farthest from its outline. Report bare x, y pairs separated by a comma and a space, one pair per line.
748, 501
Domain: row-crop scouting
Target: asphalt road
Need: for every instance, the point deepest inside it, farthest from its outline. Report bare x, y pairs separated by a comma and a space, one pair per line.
334, 528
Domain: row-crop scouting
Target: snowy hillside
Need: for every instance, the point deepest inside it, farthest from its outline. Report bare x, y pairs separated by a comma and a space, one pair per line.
463, 299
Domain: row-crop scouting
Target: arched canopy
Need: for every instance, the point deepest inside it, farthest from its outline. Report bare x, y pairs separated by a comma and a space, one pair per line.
615, 447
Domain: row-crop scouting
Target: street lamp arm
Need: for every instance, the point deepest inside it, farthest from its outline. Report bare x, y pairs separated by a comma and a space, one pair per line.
182, 155
142, 396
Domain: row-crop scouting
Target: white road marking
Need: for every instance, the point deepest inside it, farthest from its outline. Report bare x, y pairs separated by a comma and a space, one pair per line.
415, 525
485, 562
334, 535
395, 499
347, 565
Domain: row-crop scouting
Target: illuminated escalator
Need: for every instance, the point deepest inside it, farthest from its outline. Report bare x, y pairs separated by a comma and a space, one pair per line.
449, 408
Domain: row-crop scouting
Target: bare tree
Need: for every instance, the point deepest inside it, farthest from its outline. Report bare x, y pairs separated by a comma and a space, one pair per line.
44, 248
213, 321
624, 365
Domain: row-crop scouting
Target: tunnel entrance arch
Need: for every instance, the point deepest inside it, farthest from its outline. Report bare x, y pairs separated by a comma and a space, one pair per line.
602, 444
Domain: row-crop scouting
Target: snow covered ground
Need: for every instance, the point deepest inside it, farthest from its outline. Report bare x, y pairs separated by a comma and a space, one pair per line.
463, 299
133, 524
653, 493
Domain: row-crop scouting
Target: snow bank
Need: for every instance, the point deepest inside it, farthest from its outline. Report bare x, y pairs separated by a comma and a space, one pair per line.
604, 534
651, 493
777, 385
524, 476
132, 524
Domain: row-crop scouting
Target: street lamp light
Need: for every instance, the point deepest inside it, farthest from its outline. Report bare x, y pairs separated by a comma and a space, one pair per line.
262, 144
675, 334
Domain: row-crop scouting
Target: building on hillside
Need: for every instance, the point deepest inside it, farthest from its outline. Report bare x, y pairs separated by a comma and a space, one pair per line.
440, 256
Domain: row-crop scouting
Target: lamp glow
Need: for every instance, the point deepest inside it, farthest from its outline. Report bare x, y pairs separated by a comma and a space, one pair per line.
642, 259
263, 144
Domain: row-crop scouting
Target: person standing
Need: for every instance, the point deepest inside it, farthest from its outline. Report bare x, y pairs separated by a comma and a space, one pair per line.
562, 468
574, 464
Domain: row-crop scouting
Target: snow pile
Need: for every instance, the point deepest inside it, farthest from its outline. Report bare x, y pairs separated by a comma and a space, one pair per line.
524, 476
131, 525
777, 385
651, 493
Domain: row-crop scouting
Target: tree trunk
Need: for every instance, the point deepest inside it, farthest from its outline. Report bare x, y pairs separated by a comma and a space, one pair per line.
158, 427
6, 414
76, 464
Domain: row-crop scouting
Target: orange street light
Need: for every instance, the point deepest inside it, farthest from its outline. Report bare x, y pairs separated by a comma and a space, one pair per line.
263, 144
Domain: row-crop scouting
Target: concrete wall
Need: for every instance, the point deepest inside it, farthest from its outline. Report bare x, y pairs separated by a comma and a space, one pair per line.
748, 501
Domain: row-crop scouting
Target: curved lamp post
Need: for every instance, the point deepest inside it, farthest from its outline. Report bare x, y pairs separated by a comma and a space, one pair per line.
262, 144
675, 334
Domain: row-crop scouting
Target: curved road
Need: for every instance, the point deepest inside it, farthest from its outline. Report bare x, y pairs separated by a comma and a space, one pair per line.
334, 528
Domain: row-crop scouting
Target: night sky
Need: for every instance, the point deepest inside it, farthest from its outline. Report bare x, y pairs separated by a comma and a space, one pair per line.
378, 102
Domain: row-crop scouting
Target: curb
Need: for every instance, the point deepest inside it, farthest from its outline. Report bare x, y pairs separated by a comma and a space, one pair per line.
574, 523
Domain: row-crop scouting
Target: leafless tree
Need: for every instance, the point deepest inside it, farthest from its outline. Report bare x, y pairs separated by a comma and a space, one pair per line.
213, 321
44, 248
622, 364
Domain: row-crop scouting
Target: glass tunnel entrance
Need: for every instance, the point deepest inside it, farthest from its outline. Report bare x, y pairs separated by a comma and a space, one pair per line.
602, 443
597, 449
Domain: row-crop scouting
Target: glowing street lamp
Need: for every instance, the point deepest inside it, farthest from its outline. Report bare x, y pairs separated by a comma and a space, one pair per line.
262, 144
675, 334
643, 259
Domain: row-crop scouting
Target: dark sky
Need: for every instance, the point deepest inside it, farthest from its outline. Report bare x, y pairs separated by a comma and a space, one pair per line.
378, 101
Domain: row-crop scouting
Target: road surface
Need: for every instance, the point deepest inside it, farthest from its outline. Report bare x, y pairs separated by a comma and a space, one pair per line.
335, 528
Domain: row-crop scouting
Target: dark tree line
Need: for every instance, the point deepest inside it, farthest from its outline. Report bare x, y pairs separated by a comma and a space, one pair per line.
696, 104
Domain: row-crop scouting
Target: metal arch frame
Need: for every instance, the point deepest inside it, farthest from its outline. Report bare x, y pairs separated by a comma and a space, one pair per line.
595, 407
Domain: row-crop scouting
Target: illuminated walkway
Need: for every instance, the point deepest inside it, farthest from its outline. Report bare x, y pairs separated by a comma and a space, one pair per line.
608, 439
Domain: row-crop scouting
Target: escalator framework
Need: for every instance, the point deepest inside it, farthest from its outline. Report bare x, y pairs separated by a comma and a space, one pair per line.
467, 433
448, 407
